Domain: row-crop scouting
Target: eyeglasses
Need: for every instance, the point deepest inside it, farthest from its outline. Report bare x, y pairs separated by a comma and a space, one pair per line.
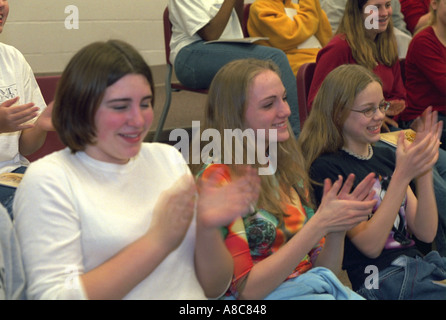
370, 112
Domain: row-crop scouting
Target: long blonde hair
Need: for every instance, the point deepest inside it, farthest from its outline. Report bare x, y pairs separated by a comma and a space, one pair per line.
322, 130
365, 51
433, 16
226, 108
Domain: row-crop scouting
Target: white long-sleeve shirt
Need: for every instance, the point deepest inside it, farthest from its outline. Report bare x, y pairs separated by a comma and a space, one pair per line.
72, 213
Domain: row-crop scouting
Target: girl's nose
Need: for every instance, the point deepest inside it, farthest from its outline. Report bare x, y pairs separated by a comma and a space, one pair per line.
285, 110
136, 117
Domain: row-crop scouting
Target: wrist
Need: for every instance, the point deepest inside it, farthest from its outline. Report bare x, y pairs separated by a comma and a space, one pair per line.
318, 226
402, 176
425, 178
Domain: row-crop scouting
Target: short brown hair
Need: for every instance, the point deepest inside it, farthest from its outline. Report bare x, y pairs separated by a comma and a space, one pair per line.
82, 86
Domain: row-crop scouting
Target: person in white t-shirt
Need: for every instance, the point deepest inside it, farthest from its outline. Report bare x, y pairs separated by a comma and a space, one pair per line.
195, 22
111, 217
24, 116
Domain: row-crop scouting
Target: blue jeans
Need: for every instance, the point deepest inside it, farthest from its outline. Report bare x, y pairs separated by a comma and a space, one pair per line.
316, 284
410, 279
7, 193
197, 63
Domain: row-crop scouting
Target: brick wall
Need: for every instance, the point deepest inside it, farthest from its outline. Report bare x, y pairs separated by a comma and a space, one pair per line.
38, 29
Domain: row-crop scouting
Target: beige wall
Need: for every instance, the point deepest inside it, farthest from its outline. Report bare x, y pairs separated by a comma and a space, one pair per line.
37, 29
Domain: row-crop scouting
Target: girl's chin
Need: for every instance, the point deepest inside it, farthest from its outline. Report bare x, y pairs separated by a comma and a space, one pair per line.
281, 137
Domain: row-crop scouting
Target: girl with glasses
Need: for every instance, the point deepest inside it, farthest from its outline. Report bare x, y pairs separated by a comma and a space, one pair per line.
365, 36
350, 106
368, 40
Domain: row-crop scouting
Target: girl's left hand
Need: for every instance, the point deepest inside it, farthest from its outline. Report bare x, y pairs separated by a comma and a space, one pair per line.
425, 148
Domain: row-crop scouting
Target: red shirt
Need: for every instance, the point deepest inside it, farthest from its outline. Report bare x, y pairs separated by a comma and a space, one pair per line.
425, 75
413, 10
338, 52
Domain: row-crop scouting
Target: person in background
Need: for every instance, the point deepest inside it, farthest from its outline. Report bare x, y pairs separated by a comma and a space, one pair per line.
24, 116
194, 22
335, 10
351, 106
375, 49
368, 41
300, 30
416, 14
286, 248
426, 70
111, 217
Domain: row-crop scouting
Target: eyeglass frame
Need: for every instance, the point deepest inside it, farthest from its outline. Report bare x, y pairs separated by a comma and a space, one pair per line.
383, 107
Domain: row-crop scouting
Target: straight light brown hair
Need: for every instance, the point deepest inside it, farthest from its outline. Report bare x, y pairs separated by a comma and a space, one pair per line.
226, 108
322, 131
365, 51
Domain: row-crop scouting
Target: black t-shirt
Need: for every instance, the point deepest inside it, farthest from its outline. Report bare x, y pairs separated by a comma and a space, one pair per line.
382, 164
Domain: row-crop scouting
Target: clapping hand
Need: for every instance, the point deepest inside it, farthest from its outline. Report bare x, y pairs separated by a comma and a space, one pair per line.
15, 117
173, 212
220, 204
420, 155
341, 209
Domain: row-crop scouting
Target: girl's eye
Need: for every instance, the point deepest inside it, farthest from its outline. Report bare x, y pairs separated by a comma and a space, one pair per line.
146, 104
369, 111
267, 106
119, 107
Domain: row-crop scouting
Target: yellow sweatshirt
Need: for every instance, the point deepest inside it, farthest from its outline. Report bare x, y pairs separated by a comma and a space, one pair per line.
300, 30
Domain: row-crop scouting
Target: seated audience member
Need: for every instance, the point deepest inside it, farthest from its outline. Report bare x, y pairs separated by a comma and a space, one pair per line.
111, 217
23, 121
416, 14
283, 249
12, 276
351, 106
373, 47
194, 22
300, 30
335, 10
426, 70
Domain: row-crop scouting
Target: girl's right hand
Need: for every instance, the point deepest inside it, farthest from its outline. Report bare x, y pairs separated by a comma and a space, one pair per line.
221, 203
340, 209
